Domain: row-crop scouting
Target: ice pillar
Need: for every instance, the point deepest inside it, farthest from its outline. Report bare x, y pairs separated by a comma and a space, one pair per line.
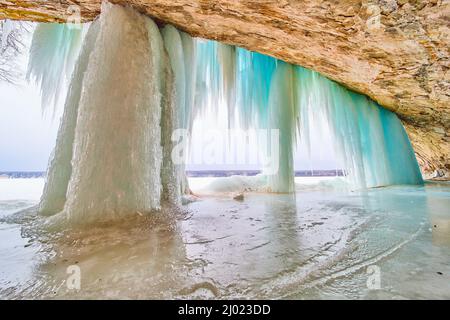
282, 117
117, 153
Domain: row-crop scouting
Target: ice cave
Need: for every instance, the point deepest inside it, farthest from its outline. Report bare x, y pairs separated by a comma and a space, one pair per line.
131, 88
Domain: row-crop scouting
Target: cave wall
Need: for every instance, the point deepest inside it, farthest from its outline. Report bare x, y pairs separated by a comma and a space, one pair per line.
396, 52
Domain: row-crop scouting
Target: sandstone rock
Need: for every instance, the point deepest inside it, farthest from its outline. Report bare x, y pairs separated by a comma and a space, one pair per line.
396, 52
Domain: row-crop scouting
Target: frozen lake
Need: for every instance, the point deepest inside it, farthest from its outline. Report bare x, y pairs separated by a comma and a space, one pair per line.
322, 242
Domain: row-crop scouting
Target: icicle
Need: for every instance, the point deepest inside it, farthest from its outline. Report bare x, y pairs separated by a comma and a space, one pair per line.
174, 47
182, 57
190, 63
60, 167
370, 141
255, 72
171, 173
281, 117
228, 57
53, 51
208, 81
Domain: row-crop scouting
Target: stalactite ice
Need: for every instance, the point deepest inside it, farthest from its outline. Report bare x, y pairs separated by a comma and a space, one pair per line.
282, 116
54, 50
134, 84
370, 141
172, 174
181, 53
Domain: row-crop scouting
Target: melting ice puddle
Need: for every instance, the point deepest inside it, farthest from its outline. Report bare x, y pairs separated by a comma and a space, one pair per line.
318, 243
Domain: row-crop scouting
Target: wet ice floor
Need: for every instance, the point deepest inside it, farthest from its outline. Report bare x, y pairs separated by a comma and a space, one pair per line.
322, 242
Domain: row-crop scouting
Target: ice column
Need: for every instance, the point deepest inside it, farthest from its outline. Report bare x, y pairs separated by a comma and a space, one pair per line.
117, 150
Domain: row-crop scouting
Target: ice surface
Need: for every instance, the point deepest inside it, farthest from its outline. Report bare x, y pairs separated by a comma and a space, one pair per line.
21, 189
317, 243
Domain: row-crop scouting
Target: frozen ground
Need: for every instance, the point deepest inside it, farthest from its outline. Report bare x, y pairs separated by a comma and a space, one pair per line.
323, 242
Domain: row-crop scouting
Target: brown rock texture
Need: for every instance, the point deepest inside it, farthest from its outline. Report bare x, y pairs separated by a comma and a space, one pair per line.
396, 52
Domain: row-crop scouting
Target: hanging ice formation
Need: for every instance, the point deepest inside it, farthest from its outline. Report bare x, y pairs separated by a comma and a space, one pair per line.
53, 53
133, 84
369, 140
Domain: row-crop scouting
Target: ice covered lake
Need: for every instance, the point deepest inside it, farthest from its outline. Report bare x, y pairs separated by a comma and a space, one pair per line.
322, 242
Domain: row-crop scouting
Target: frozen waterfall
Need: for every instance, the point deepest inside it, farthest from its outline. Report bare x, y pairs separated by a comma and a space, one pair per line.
133, 84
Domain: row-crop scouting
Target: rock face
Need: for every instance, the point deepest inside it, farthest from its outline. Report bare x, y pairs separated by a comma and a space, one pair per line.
396, 52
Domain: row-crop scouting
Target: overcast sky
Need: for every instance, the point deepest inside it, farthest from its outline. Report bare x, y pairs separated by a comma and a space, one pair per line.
26, 136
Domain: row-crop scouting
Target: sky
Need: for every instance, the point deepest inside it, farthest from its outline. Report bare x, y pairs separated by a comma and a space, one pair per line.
27, 135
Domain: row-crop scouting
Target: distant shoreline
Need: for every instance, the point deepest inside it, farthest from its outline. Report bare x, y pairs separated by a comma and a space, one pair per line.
191, 173
227, 173
22, 174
